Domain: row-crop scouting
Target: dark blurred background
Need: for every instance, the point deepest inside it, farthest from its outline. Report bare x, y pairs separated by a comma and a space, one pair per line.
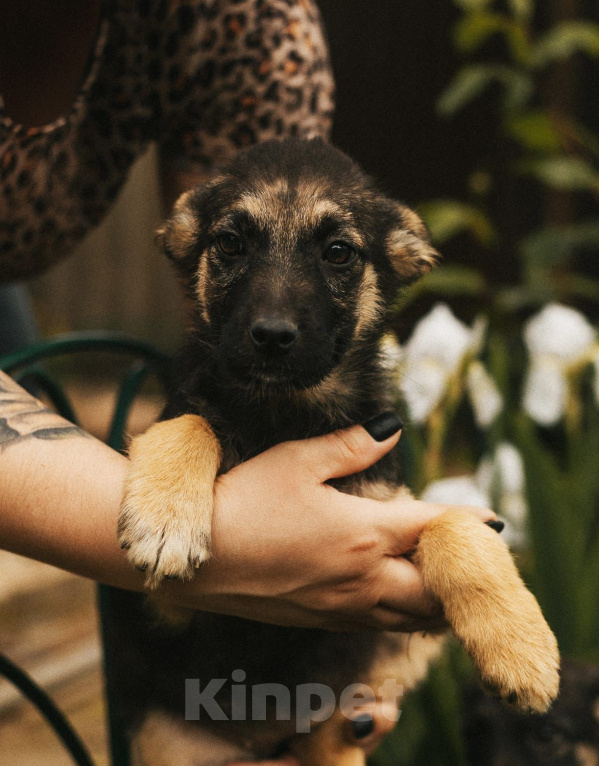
392, 61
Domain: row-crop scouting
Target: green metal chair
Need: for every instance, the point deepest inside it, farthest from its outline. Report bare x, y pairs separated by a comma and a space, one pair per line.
28, 365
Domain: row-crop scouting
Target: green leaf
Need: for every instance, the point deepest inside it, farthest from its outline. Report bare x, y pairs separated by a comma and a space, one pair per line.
559, 559
454, 280
445, 281
447, 218
467, 85
583, 287
474, 29
555, 245
588, 648
563, 173
565, 39
587, 138
583, 448
526, 296
498, 362
473, 5
522, 9
534, 130
429, 730
473, 80
583, 458
442, 701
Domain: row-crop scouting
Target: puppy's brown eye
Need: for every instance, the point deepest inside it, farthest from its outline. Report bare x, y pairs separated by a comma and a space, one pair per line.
229, 245
339, 253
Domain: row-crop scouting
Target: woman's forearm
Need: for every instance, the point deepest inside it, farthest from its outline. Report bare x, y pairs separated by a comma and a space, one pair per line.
60, 491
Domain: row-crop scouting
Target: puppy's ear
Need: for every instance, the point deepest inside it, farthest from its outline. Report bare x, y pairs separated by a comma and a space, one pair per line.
178, 235
409, 246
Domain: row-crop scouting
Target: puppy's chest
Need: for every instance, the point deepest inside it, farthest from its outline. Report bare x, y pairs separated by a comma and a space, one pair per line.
246, 431
216, 645
266, 652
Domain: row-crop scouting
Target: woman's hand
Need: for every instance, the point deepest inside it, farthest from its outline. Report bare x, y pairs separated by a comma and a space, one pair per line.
287, 547
290, 549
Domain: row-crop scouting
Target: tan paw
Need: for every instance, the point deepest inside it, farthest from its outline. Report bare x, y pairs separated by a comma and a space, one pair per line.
167, 536
469, 569
166, 514
519, 660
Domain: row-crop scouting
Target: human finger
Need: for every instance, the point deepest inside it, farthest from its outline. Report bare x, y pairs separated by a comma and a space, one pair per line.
350, 450
403, 590
404, 519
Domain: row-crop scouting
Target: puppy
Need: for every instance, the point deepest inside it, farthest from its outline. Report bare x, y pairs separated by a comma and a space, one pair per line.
289, 259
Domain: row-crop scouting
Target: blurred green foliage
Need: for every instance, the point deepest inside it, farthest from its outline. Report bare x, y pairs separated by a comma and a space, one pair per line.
552, 147
509, 58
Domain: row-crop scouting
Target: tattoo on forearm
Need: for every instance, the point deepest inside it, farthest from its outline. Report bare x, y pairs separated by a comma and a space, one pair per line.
24, 417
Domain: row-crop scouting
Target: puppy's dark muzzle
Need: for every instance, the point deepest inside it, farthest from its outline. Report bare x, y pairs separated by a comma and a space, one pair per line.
273, 336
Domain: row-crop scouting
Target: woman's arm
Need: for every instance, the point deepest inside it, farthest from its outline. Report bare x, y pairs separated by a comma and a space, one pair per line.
59, 491
287, 548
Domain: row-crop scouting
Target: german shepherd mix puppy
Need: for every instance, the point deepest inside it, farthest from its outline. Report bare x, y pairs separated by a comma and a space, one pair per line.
290, 258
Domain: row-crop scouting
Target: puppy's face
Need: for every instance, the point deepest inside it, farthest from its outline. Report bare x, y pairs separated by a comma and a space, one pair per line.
292, 258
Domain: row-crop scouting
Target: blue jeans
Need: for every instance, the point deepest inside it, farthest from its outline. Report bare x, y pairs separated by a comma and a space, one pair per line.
17, 325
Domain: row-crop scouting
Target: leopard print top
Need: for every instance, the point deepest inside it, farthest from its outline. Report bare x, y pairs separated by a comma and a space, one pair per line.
202, 79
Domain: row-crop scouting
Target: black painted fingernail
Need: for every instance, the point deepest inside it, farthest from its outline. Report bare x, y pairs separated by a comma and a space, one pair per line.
383, 426
498, 526
363, 725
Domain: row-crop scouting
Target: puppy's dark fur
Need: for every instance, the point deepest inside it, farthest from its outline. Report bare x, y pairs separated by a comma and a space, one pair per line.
289, 260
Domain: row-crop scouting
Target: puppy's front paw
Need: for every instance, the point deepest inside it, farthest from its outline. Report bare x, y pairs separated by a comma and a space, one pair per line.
166, 535
499, 622
516, 653
166, 514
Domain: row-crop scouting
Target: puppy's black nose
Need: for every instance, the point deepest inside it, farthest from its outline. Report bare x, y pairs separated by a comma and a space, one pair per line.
273, 335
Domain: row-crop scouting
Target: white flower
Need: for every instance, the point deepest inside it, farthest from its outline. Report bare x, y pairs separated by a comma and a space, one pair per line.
557, 338
512, 487
499, 481
434, 353
510, 467
485, 475
486, 400
502, 478
422, 385
457, 490
440, 336
545, 391
478, 334
559, 331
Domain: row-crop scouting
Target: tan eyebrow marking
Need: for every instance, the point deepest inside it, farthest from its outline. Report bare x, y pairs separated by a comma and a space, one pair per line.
284, 214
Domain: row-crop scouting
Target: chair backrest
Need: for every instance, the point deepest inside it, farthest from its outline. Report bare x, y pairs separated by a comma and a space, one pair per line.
25, 365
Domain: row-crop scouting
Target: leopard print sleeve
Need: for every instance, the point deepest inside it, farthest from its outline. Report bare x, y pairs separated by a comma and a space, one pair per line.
204, 78
244, 71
